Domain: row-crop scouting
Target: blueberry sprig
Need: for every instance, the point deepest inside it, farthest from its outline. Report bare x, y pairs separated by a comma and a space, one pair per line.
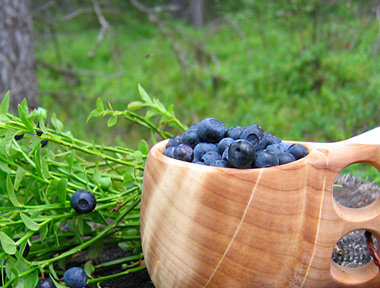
210, 143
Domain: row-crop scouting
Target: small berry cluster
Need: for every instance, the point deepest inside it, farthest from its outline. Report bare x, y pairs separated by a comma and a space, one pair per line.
210, 143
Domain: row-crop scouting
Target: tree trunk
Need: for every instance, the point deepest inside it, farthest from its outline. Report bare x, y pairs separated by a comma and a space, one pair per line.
17, 69
197, 13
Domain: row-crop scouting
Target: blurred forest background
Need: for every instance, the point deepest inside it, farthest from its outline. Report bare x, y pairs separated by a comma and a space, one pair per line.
303, 70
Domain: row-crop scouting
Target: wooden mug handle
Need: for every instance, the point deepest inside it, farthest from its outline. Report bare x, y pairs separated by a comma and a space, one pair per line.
337, 220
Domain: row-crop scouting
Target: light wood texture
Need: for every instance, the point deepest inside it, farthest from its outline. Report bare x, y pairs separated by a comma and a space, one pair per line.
272, 227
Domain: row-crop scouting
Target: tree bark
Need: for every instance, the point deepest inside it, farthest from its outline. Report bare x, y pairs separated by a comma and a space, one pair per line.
17, 63
197, 13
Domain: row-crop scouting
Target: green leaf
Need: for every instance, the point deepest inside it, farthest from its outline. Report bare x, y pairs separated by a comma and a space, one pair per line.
136, 105
58, 125
14, 274
23, 113
144, 96
99, 105
94, 113
9, 136
143, 147
112, 121
95, 249
61, 190
20, 173
31, 280
44, 230
11, 192
89, 268
8, 244
4, 167
29, 222
4, 105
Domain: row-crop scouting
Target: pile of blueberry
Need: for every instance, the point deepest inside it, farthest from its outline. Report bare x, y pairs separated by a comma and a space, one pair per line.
209, 142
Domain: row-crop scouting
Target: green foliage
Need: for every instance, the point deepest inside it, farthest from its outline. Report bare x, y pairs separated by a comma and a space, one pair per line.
37, 182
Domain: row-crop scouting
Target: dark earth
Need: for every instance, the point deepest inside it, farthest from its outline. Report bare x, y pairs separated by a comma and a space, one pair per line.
350, 251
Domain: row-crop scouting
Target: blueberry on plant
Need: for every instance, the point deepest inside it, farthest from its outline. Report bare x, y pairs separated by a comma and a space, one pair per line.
83, 201
45, 283
19, 137
298, 151
183, 152
75, 277
265, 158
241, 153
211, 130
44, 143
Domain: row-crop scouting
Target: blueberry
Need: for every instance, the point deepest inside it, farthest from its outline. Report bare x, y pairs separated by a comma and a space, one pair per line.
26, 250
220, 163
285, 157
75, 277
194, 126
202, 148
19, 137
210, 157
199, 162
254, 134
38, 132
183, 152
241, 153
225, 154
44, 143
169, 151
174, 141
278, 148
298, 151
224, 143
271, 139
83, 201
211, 130
191, 137
234, 132
45, 283
265, 158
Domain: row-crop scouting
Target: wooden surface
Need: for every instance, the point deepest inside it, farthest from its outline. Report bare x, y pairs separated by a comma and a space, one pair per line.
272, 227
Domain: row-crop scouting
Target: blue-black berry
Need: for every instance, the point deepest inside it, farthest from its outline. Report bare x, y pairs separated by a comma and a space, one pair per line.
285, 157
298, 151
83, 201
210, 157
45, 283
19, 137
75, 277
241, 153
211, 130
183, 152
220, 163
224, 143
234, 132
191, 137
169, 151
265, 158
174, 141
202, 148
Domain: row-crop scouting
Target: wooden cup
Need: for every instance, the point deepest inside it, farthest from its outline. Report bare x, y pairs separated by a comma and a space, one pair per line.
270, 227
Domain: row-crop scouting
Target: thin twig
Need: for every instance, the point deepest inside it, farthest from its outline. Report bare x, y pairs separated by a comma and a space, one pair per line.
372, 251
76, 72
155, 20
105, 27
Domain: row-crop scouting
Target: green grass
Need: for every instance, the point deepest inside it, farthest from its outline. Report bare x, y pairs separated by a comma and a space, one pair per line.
296, 88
